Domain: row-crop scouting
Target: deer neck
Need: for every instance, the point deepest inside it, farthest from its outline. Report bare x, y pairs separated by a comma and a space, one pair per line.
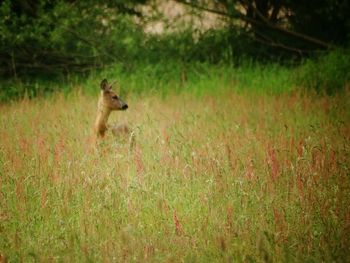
101, 119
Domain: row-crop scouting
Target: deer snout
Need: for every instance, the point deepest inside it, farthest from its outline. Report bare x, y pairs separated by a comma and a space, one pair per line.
125, 106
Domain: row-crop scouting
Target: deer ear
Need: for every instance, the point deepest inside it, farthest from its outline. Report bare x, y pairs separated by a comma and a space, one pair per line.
104, 85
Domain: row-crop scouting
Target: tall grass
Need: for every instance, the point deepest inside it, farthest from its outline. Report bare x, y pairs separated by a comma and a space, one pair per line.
326, 73
163, 78
225, 176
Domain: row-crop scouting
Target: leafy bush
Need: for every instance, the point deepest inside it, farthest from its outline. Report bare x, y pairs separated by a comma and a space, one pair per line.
328, 73
63, 37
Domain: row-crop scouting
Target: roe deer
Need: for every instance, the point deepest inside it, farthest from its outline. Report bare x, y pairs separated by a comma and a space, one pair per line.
108, 102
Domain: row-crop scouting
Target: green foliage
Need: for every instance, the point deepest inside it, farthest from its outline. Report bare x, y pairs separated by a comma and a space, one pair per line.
43, 43
165, 78
327, 73
65, 37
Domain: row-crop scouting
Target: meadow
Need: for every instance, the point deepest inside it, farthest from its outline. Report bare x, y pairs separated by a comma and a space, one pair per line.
245, 169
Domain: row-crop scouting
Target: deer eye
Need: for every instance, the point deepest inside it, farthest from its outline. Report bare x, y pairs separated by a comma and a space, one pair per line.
115, 97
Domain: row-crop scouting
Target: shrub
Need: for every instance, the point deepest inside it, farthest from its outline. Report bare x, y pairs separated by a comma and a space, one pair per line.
327, 73
62, 37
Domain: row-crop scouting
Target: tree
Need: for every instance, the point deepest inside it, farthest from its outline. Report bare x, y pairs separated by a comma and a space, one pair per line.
295, 25
46, 36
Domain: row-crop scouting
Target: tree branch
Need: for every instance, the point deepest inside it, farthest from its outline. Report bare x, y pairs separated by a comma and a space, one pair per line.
90, 43
255, 22
269, 42
289, 32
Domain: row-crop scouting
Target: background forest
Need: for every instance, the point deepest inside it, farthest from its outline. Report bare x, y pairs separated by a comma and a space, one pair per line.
57, 40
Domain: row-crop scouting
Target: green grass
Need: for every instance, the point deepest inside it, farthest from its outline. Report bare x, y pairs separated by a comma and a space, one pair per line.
224, 174
326, 73
162, 79
199, 78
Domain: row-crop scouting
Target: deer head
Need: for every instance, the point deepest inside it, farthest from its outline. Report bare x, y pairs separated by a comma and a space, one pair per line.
109, 99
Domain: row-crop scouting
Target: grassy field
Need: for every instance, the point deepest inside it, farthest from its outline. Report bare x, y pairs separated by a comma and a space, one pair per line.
229, 176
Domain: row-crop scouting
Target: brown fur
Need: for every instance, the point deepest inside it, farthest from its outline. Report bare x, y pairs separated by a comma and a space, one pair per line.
121, 129
108, 102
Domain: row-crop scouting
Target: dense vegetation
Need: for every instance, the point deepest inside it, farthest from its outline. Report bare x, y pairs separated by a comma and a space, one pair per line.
239, 150
55, 41
227, 176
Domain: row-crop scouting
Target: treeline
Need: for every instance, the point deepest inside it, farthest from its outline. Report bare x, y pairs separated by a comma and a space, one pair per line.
45, 38
57, 37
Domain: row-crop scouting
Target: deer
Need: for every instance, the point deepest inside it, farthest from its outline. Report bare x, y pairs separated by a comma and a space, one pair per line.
108, 101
